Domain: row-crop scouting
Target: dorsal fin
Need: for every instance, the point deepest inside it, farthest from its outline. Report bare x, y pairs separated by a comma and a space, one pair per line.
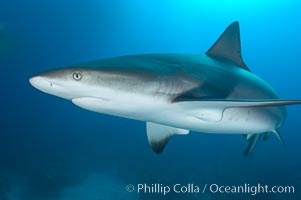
228, 47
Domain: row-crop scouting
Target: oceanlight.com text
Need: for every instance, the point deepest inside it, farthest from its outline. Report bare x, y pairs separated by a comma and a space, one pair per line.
191, 188
251, 189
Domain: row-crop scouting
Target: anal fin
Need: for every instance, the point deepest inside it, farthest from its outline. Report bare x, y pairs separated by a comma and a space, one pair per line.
158, 135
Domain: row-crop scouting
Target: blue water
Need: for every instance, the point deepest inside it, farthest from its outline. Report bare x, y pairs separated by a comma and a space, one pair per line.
51, 149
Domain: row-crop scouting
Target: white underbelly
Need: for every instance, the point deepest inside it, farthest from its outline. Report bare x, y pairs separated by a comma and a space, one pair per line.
208, 120
232, 121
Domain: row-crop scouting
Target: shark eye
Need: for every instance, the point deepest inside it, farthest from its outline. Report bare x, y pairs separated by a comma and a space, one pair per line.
77, 76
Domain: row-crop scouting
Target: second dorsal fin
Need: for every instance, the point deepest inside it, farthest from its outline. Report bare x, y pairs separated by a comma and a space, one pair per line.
228, 47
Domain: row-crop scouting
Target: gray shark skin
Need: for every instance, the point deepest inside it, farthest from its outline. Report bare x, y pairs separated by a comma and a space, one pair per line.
175, 93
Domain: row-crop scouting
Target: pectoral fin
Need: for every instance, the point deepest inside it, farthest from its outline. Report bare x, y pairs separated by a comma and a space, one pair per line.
211, 110
230, 103
158, 135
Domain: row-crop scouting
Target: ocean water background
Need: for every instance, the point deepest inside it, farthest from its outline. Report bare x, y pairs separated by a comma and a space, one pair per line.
51, 149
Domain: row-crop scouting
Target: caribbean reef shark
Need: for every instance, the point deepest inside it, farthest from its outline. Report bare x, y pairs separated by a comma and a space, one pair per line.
176, 93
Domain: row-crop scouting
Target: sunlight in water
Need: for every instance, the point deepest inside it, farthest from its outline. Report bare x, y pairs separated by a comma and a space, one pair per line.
233, 7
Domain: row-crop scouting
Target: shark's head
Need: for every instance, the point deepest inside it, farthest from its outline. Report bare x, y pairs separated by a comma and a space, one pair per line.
66, 83
72, 83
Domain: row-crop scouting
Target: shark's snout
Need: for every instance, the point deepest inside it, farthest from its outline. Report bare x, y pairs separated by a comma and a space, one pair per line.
56, 84
41, 83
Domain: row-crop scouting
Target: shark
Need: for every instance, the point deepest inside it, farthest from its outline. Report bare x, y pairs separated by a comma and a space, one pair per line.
174, 94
